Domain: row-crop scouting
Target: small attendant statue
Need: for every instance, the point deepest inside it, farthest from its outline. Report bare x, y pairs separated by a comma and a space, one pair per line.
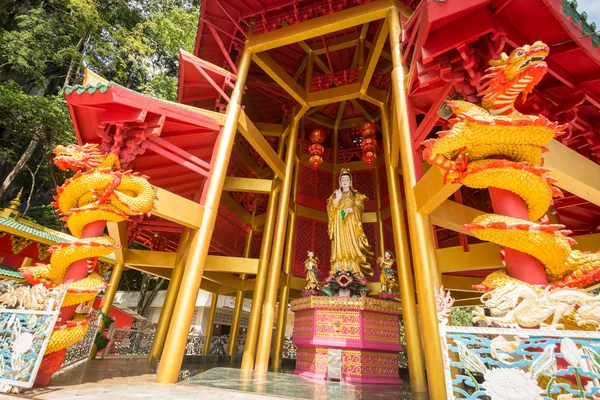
311, 266
387, 277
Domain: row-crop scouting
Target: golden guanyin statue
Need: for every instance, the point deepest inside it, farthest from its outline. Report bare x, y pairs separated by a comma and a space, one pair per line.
350, 249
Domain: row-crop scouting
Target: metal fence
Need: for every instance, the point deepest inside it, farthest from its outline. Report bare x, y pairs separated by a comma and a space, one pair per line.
80, 351
130, 342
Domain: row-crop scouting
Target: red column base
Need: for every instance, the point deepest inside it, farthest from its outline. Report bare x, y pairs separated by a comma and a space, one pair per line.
50, 365
519, 265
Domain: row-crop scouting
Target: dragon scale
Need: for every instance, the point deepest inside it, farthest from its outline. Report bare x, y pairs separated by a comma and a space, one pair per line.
99, 192
493, 146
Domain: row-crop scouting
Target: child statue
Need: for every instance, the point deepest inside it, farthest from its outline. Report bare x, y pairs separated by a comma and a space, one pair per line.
387, 278
311, 266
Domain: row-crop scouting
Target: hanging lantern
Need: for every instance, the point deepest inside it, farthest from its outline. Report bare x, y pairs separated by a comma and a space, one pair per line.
369, 157
316, 150
317, 136
368, 131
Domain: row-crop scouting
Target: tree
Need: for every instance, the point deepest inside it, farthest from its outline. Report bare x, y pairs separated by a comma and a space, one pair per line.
30, 127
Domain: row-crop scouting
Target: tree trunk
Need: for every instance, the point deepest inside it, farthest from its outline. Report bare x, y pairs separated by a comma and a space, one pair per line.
143, 291
151, 297
19, 166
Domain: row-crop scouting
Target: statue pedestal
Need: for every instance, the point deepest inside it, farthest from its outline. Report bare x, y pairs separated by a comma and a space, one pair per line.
367, 331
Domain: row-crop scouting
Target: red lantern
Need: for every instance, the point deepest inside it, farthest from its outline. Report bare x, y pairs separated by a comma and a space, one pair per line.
369, 157
368, 129
316, 161
317, 136
316, 150
369, 144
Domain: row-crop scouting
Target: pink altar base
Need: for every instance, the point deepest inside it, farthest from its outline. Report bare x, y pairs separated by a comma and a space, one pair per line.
367, 331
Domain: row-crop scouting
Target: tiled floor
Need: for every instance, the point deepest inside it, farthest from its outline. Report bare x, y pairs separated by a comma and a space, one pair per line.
131, 379
296, 387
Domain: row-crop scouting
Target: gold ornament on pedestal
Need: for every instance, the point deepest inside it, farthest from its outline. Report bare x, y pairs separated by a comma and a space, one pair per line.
350, 249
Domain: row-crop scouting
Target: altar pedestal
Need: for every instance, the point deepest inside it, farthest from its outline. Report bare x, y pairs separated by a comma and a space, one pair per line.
367, 331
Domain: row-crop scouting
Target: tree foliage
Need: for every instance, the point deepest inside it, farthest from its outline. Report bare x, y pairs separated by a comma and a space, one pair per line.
45, 45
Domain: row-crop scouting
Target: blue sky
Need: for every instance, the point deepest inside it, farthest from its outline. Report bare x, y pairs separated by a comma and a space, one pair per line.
592, 8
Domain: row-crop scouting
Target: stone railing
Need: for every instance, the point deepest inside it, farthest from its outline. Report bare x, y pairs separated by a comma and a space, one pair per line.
535, 363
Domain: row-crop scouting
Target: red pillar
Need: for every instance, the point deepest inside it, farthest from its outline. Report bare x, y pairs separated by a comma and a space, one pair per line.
519, 265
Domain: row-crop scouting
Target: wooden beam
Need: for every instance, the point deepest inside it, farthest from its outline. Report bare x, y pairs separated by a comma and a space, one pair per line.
118, 231
279, 75
374, 96
575, 173
178, 209
380, 38
321, 120
352, 122
336, 43
266, 129
480, 256
334, 95
259, 143
362, 110
320, 26
224, 279
158, 272
237, 265
452, 215
149, 258
236, 208
460, 283
430, 192
248, 185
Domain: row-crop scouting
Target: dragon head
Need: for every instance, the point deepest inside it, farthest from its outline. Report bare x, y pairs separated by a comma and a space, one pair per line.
77, 157
515, 74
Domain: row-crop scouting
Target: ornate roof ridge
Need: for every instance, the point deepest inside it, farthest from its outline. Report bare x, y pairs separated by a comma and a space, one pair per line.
587, 28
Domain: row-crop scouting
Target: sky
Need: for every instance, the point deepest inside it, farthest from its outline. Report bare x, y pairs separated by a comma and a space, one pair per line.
592, 8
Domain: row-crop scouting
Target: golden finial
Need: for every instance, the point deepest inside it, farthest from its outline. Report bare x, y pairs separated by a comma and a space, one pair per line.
15, 204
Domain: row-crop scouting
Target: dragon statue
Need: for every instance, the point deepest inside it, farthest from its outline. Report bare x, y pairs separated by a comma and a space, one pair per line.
496, 147
515, 305
99, 192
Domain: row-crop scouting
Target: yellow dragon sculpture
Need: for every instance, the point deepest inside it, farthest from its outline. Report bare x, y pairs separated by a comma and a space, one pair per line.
495, 146
99, 192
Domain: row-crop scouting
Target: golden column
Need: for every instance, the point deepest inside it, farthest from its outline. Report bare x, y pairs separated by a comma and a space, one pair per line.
380, 233
239, 302
420, 227
107, 300
266, 329
284, 292
168, 369
211, 322
166, 312
258, 295
410, 317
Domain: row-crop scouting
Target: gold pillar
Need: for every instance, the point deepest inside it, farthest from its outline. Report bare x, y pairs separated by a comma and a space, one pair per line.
166, 312
26, 262
410, 317
284, 298
266, 329
168, 369
239, 302
211, 323
258, 295
380, 233
420, 227
284, 292
107, 300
